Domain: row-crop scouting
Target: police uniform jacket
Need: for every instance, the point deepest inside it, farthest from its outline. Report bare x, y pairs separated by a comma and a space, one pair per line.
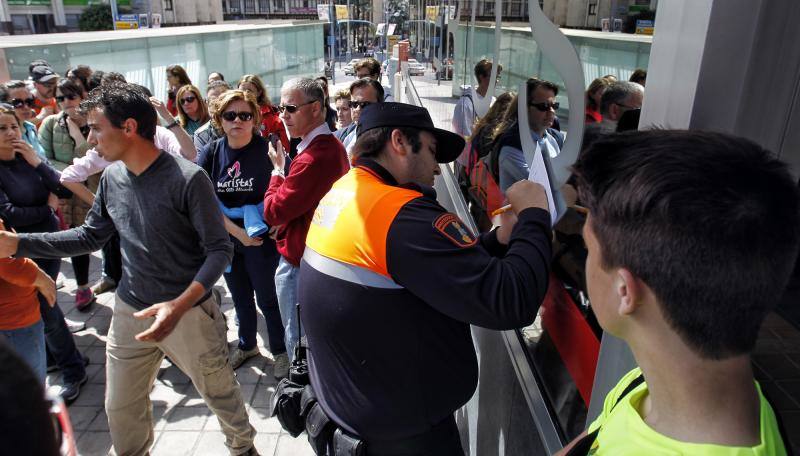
389, 284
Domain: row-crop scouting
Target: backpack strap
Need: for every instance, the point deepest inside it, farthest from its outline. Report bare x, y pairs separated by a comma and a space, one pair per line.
582, 446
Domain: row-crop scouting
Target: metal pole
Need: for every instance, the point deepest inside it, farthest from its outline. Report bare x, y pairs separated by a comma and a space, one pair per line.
348, 30
114, 13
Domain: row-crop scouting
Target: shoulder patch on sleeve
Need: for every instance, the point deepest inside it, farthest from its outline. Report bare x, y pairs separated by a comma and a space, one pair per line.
449, 226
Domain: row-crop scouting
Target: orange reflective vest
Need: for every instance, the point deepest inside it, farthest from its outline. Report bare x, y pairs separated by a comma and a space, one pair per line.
351, 222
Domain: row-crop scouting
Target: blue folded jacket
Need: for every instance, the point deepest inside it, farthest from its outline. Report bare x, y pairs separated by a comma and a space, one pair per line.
253, 216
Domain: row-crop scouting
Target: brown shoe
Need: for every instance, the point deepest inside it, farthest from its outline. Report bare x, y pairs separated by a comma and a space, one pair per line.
103, 285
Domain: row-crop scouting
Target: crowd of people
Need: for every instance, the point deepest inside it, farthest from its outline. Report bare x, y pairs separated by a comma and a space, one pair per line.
324, 217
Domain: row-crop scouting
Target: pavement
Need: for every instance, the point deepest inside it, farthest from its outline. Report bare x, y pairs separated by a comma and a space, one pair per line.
183, 424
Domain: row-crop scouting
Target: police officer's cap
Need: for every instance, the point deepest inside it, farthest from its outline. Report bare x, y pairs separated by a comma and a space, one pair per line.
377, 115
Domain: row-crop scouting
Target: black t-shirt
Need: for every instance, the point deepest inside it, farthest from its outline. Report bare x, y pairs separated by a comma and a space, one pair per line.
240, 176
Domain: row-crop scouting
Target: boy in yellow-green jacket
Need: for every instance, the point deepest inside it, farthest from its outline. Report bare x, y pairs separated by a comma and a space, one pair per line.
692, 237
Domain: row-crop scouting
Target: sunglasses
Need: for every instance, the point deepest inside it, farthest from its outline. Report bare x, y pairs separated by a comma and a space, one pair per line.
291, 109
61, 98
230, 116
187, 100
360, 104
18, 102
544, 107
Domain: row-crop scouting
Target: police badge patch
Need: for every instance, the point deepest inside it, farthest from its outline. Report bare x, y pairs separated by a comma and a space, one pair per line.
453, 229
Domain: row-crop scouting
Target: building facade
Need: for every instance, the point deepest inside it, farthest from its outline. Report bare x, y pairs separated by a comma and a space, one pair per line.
52, 16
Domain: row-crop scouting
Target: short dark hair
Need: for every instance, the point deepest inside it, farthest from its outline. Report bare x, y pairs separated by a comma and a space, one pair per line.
112, 76
82, 74
617, 93
709, 221
10, 85
364, 82
221, 76
69, 86
535, 83
484, 69
371, 143
121, 101
95, 80
25, 414
639, 76
372, 65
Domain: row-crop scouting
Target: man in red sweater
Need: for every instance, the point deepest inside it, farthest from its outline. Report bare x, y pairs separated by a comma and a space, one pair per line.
291, 200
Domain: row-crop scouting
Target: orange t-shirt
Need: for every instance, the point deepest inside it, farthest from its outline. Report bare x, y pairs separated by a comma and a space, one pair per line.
19, 302
37, 108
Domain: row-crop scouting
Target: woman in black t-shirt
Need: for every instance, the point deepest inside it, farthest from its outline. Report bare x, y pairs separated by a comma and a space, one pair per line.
238, 165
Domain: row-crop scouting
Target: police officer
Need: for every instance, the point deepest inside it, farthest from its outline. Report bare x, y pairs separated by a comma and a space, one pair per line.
390, 282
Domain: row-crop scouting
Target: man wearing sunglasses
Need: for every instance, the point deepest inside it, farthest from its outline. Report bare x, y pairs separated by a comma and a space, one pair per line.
363, 92
16, 95
541, 109
619, 98
44, 83
290, 200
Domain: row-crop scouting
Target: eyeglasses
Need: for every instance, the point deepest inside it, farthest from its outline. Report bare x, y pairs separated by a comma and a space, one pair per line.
291, 109
61, 98
544, 107
230, 116
18, 102
360, 104
187, 100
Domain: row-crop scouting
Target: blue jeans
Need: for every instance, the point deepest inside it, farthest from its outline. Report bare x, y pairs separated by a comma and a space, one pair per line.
251, 269
60, 344
28, 342
286, 288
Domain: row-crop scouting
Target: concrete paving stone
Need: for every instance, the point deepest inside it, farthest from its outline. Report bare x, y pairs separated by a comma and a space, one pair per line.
82, 416
84, 339
91, 395
263, 395
288, 445
247, 392
96, 373
171, 443
100, 422
96, 354
100, 323
160, 417
212, 443
251, 372
173, 376
187, 418
266, 445
260, 419
167, 396
92, 443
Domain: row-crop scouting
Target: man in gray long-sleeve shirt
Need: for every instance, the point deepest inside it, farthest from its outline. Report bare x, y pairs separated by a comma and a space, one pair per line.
174, 248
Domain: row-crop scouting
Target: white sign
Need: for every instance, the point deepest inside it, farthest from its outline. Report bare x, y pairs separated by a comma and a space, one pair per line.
155, 20
324, 12
380, 29
391, 28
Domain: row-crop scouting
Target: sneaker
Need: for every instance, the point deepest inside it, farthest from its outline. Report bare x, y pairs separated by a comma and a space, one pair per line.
281, 366
83, 299
59, 282
71, 391
103, 285
75, 326
239, 356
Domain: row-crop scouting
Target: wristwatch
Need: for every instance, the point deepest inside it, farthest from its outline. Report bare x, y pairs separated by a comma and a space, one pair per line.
277, 172
173, 124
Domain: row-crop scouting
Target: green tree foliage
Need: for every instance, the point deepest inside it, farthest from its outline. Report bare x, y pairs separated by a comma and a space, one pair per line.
96, 17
